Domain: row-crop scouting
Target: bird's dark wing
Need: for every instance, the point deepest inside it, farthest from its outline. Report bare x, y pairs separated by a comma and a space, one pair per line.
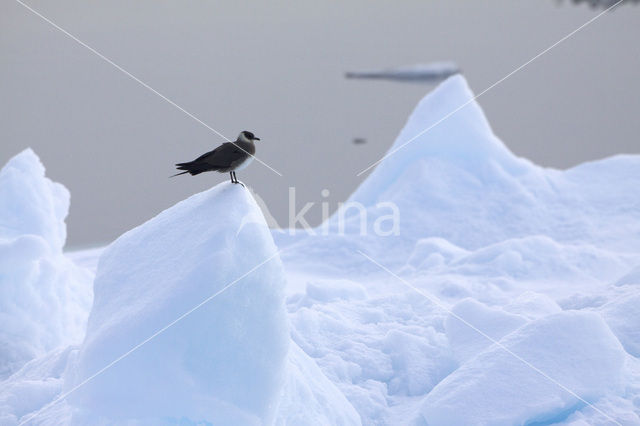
222, 156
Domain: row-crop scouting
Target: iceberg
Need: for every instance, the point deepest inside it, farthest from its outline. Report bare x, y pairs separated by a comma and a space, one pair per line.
44, 297
194, 298
458, 181
450, 178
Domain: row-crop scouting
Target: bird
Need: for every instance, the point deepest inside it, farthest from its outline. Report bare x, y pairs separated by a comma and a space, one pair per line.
228, 157
359, 141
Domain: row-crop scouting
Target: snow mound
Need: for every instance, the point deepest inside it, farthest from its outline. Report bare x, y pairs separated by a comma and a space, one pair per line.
601, 413
44, 297
465, 340
533, 305
224, 362
379, 350
540, 257
309, 398
31, 203
623, 317
630, 278
33, 386
328, 291
430, 252
574, 349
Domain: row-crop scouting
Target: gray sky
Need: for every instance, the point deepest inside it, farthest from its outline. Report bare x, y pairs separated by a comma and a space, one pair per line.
277, 68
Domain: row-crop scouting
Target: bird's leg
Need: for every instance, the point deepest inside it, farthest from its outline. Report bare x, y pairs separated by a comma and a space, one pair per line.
237, 181
231, 174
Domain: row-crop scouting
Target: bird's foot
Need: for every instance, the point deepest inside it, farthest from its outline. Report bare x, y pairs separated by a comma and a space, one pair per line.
240, 183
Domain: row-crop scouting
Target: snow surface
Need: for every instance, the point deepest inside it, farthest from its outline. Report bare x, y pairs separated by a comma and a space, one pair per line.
508, 296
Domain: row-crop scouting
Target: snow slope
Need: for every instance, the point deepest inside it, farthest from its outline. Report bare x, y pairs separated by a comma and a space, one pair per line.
508, 296
44, 297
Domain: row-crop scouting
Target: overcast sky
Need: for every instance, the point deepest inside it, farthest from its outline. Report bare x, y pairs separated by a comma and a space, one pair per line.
276, 68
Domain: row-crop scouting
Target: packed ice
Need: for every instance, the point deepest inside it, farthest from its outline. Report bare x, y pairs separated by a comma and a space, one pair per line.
459, 284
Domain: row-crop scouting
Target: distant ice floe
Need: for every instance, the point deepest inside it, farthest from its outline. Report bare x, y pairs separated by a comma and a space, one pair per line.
602, 4
424, 73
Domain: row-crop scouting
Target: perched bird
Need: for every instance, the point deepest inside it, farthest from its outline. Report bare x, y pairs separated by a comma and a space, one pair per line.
228, 157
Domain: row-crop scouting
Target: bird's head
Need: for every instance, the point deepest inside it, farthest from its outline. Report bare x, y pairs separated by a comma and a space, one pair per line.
246, 136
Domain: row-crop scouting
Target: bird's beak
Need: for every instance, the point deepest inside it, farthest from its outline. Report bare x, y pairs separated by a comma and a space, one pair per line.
256, 139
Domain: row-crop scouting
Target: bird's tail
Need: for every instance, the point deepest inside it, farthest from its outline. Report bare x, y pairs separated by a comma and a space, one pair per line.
192, 167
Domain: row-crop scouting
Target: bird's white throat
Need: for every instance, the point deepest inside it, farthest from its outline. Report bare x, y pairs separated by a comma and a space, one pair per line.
243, 138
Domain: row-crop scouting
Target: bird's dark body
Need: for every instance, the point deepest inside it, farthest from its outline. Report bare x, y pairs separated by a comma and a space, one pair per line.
225, 158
